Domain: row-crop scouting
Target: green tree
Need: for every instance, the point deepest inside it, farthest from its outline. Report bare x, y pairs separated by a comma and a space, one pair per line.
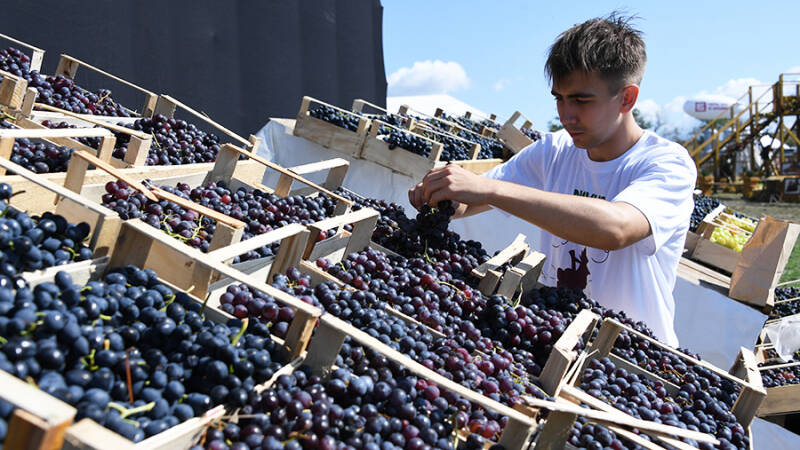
554, 124
643, 123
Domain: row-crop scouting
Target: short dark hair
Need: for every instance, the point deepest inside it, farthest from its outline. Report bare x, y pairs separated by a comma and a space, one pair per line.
609, 46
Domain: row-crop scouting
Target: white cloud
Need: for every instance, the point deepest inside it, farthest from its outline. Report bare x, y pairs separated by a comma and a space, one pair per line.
501, 84
734, 88
428, 77
793, 69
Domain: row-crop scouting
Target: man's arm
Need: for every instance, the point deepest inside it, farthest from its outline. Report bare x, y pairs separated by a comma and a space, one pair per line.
587, 221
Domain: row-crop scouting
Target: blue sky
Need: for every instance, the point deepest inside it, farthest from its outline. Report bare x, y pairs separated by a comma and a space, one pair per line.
491, 54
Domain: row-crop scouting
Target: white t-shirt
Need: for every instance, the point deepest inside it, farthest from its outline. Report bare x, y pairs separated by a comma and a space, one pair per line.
657, 177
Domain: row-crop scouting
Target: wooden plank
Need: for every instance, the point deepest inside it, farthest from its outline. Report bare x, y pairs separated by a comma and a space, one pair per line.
94, 121
781, 400
618, 419
563, 353
477, 166
285, 171
421, 370
522, 277
324, 348
336, 167
606, 336
12, 90
511, 136
517, 246
289, 253
577, 396
46, 133
556, 431
6, 149
753, 393
41, 421
229, 252
246, 143
114, 172
204, 210
105, 152
363, 221
70, 61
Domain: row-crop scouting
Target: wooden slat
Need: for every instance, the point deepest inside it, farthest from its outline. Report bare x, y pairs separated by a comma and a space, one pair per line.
95, 121
578, 396
54, 132
285, 171
205, 118
102, 72
229, 252
204, 210
517, 246
619, 419
116, 173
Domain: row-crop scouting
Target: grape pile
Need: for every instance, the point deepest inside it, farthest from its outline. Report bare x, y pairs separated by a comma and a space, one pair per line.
367, 403
694, 406
261, 212
336, 117
60, 91
78, 343
702, 207
6, 410
176, 142
38, 156
531, 133
408, 141
93, 142
786, 308
411, 238
33, 243
490, 147
781, 376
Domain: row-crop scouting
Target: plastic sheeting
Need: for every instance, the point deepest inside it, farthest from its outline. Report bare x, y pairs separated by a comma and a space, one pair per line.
696, 306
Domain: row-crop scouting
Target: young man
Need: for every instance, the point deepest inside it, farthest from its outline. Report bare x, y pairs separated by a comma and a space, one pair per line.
613, 201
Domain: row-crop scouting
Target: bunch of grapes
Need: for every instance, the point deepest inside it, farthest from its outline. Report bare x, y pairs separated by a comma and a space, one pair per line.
785, 308
532, 134
175, 142
30, 243
702, 207
408, 141
261, 212
78, 343
336, 117
781, 376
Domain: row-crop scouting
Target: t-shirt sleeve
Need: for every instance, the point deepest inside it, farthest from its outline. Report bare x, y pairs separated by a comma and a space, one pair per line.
528, 167
663, 193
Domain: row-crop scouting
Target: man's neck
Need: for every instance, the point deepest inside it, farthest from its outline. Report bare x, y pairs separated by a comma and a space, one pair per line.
620, 142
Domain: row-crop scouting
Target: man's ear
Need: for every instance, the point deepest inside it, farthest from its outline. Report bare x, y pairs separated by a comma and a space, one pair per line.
629, 95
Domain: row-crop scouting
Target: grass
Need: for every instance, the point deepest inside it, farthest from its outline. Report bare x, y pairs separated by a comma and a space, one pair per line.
792, 270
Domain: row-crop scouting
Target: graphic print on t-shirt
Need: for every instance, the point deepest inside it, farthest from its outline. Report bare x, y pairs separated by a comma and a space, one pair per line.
576, 276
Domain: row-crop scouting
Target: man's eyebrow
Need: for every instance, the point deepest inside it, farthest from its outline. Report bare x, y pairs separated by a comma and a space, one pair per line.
575, 95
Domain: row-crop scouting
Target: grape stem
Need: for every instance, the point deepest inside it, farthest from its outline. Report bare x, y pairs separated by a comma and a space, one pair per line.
238, 335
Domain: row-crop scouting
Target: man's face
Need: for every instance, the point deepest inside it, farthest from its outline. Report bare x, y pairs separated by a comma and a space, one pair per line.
588, 110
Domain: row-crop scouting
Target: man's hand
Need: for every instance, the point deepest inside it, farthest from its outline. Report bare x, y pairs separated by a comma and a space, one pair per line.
451, 182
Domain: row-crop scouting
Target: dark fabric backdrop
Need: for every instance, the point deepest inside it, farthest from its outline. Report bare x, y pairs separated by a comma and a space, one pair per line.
240, 62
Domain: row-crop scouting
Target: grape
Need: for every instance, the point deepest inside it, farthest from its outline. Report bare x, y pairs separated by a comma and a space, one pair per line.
702, 207
76, 342
261, 212
175, 142
336, 117
785, 308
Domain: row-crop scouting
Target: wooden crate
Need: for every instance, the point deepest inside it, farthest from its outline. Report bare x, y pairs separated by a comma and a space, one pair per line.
473, 164
104, 223
68, 67
360, 106
743, 373
169, 106
399, 159
39, 421
711, 253
229, 231
138, 146
455, 126
511, 136
88, 435
329, 135
36, 56
780, 400
523, 275
691, 243
15, 96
